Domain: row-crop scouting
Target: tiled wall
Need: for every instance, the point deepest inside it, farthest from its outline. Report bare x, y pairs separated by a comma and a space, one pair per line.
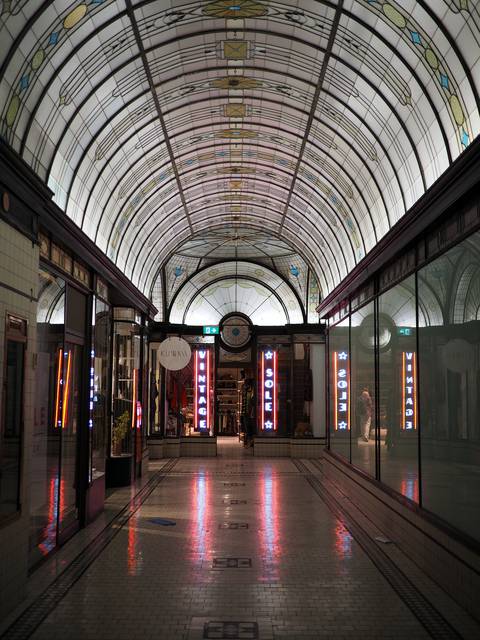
18, 271
449, 563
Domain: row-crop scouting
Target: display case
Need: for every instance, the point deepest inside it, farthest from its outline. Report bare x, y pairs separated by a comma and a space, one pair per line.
126, 404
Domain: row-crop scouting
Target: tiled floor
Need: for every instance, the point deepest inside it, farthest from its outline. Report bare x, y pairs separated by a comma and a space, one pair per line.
254, 552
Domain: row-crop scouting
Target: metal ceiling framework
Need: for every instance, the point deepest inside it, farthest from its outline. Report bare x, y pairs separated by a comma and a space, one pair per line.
316, 124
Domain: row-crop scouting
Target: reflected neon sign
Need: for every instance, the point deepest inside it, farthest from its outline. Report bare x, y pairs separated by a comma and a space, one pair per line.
341, 391
269, 390
202, 390
409, 391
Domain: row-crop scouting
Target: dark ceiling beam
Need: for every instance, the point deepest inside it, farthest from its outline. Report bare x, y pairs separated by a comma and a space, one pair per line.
168, 144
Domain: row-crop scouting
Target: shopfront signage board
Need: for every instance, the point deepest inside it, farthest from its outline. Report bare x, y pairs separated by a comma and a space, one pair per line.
174, 353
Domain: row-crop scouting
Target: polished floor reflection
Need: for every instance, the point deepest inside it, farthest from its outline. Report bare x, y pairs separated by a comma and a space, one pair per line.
232, 547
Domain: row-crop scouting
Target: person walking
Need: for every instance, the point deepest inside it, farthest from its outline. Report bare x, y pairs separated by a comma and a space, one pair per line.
365, 413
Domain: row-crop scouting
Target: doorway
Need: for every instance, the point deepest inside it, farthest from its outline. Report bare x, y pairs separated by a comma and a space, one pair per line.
230, 381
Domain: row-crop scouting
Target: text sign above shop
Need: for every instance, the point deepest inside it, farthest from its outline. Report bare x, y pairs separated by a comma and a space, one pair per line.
409, 391
269, 390
211, 331
174, 353
202, 390
342, 391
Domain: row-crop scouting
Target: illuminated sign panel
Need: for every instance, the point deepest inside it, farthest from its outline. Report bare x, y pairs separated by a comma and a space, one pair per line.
269, 390
91, 393
202, 390
211, 331
341, 393
409, 391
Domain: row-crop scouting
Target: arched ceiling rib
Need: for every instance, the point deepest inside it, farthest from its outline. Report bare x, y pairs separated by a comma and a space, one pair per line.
319, 123
236, 286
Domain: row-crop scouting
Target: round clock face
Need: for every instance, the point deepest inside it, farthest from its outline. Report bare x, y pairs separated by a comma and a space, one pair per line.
236, 331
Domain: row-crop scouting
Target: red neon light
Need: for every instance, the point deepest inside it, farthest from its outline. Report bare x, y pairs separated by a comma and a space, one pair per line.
274, 390
134, 398
335, 375
263, 389
272, 423
413, 395
208, 389
346, 390
66, 392
206, 395
195, 405
59, 382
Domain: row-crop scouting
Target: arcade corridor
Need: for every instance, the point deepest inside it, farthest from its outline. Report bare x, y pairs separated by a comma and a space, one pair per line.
239, 319
237, 547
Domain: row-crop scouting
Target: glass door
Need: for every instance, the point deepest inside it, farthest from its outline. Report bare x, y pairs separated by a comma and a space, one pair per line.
68, 499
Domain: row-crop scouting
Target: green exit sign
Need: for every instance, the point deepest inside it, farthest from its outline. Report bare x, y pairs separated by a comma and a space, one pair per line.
211, 331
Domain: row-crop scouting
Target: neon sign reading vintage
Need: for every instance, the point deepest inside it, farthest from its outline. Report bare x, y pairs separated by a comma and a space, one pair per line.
409, 391
269, 390
202, 390
91, 393
341, 391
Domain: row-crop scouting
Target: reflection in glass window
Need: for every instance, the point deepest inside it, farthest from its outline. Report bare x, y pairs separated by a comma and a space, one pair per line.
362, 336
340, 422
100, 371
47, 421
398, 381
449, 357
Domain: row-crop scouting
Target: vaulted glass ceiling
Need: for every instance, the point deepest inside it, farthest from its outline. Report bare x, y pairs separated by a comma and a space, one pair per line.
318, 123
236, 286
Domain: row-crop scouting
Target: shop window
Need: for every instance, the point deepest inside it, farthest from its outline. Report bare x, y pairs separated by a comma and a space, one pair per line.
449, 370
99, 375
189, 403
47, 418
362, 388
398, 385
12, 416
154, 391
274, 375
308, 389
126, 350
339, 397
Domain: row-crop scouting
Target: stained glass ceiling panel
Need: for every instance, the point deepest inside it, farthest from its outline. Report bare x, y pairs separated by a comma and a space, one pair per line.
318, 123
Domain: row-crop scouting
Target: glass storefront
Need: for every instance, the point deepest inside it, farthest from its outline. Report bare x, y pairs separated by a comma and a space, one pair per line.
274, 375
339, 383
449, 384
189, 395
397, 381
404, 380
99, 385
362, 387
125, 386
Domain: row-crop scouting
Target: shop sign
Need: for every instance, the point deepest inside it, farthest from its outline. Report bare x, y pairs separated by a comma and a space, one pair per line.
91, 393
269, 390
342, 391
409, 391
202, 390
174, 353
